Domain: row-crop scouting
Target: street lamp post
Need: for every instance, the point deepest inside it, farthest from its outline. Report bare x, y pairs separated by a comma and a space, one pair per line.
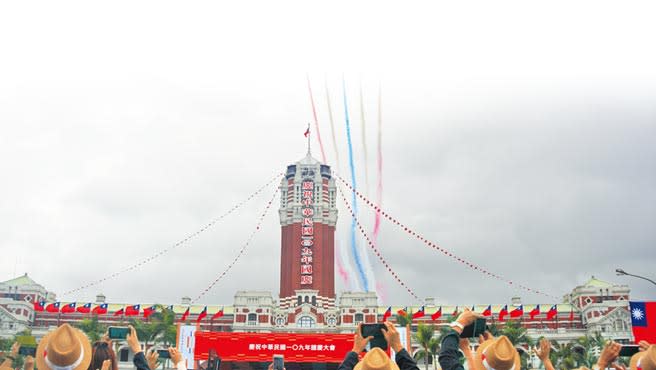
622, 272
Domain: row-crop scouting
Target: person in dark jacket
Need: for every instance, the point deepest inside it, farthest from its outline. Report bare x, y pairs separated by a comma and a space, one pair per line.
449, 357
139, 360
377, 358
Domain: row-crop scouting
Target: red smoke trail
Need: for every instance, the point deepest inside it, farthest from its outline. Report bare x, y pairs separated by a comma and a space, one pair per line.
316, 121
379, 186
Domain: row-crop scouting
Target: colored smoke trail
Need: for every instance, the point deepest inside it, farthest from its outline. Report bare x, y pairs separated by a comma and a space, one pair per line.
316, 121
340, 267
354, 246
379, 165
364, 140
332, 127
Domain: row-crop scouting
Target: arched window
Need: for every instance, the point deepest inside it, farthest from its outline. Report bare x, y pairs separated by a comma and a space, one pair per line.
314, 300
307, 299
359, 318
300, 300
306, 322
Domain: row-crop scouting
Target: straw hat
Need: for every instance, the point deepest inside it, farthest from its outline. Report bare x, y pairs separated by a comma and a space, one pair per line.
64, 348
645, 360
497, 354
376, 359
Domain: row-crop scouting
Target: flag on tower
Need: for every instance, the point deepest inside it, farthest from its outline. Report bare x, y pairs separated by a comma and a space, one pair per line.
534, 312
387, 313
39, 306
643, 321
307, 132
488, 311
149, 311
185, 315
518, 311
419, 313
218, 314
86, 308
100, 310
69, 308
403, 311
553, 312
503, 313
53, 307
202, 315
437, 314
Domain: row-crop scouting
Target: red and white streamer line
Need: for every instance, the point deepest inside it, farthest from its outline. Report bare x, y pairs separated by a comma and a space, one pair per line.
375, 249
435, 246
242, 250
179, 243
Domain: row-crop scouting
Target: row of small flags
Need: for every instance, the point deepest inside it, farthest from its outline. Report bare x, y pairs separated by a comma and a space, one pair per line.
517, 312
101, 309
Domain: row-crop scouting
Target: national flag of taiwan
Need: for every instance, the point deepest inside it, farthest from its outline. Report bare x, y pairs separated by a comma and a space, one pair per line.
85, 308
202, 315
170, 308
534, 312
517, 312
218, 314
132, 310
387, 314
473, 309
553, 312
185, 315
307, 132
100, 309
488, 311
419, 313
119, 312
643, 321
39, 306
69, 308
455, 312
403, 311
53, 307
503, 313
437, 314
149, 311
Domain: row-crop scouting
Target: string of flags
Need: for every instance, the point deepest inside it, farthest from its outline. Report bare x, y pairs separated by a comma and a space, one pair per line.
124, 310
179, 243
435, 246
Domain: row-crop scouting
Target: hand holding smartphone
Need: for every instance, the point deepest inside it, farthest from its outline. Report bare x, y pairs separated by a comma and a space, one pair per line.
118, 332
375, 331
474, 329
278, 362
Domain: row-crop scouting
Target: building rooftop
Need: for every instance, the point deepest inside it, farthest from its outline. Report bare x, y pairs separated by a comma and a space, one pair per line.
20, 281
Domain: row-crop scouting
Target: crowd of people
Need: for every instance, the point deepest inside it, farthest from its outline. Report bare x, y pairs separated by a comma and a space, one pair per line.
68, 348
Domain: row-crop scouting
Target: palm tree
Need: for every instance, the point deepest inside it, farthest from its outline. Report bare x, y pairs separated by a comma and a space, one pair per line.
92, 328
424, 336
564, 357
160, 327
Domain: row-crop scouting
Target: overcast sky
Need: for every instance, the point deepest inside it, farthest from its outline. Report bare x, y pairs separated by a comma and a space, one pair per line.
518, 136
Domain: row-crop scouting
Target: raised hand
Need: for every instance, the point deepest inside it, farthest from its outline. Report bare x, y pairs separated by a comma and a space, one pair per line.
392, 337
609, 354
133, 340
176, 356
152, 359
107, 364
360, 342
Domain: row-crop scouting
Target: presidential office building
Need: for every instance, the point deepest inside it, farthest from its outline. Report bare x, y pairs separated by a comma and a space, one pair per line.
306, 301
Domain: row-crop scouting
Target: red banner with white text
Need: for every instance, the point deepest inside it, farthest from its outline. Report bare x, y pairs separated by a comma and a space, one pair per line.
260, 347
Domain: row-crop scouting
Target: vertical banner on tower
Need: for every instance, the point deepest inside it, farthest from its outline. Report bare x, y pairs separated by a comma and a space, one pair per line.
307, 231
187, 343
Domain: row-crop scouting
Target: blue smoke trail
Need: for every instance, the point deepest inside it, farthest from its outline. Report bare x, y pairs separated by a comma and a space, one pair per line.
354, 247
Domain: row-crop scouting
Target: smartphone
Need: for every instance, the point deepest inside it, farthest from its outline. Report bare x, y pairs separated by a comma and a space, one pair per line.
278, 362
474, 329
118, 332
27, 351
163, 353
628, 350
375, 331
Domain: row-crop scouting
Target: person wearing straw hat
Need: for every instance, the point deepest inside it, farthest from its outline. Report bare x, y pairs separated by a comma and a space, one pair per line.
376, 358
65, 348
644, 360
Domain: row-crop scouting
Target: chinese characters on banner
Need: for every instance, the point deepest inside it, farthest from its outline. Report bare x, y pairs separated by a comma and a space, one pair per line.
296, 347
307, 231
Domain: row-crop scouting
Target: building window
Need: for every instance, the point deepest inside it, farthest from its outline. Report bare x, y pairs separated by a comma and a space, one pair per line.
252, 300
306, 322
252, 319
300, 301
314, 300
307, 299
359, 318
